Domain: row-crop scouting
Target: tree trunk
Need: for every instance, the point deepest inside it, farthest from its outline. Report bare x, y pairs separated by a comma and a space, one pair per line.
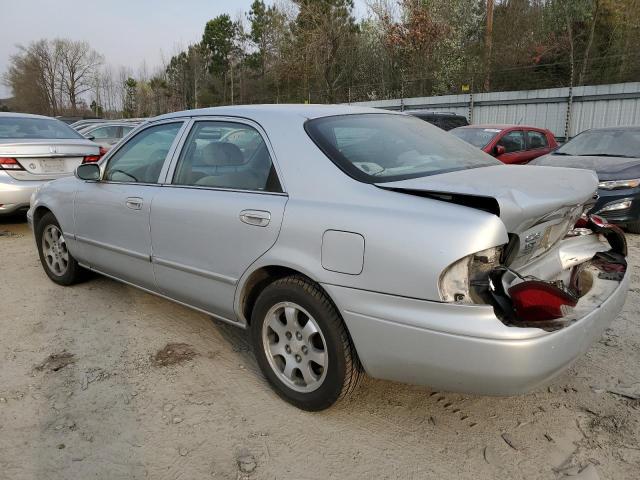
587, 50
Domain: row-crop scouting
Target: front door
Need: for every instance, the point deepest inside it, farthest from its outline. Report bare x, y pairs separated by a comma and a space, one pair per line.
219, 211
514, 147
112, 215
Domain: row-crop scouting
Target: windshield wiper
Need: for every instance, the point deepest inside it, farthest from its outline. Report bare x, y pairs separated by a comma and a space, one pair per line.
561, 153
604, 155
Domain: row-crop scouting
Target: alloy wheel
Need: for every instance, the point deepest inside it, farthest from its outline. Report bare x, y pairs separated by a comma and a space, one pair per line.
54, 249
295, 347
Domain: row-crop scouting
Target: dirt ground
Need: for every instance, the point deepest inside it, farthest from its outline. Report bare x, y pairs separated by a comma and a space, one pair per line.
104, 381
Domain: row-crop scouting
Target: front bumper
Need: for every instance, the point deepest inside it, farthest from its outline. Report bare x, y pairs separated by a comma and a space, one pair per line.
463, 347
15, 194
619, 217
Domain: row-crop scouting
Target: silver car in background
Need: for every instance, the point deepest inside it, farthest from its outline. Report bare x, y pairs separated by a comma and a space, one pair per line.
347, 239
33, 150
108, 134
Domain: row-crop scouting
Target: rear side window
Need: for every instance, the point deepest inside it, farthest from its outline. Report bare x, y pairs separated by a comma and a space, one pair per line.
513, 141
537, 140
140, 159
25, 127
226, 155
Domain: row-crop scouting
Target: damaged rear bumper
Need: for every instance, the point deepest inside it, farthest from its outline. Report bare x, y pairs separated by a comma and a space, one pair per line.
464, 347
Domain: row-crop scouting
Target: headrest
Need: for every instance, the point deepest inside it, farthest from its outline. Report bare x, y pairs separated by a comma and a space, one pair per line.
222, 154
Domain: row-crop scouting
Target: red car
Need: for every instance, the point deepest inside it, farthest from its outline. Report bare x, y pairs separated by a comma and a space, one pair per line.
509, 143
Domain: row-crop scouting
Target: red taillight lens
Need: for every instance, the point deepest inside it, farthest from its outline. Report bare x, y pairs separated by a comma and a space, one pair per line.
95, 158
7, 163
535, 300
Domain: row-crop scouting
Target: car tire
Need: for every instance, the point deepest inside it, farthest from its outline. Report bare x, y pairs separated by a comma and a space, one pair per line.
302, 345
633, 227
58, 263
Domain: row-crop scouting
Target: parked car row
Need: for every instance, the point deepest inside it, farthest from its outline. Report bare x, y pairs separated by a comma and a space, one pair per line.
613, 153
106, 133
348, 240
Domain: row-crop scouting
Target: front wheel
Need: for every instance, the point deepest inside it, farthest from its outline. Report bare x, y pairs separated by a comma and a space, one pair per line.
302, 345
57, 261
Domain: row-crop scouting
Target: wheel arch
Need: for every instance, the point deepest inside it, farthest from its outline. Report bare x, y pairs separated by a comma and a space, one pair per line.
259, 279
40, 212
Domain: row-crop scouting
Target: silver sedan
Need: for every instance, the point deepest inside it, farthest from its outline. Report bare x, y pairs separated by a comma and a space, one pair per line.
33, 150
347, 240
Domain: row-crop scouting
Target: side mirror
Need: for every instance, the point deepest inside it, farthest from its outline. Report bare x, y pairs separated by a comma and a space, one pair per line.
88, 171
499, 150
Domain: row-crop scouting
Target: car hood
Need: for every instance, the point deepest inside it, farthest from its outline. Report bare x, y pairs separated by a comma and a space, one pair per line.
520, 195
607, 168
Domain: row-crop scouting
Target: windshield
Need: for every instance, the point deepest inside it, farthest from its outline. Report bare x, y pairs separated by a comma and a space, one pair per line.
480, 137
610, 143
33, 128
376, 148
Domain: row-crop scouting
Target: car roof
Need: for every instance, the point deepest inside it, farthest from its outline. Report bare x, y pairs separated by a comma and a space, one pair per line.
433, 112
113, 124
621, 127
502, 126
24, 115
302, 111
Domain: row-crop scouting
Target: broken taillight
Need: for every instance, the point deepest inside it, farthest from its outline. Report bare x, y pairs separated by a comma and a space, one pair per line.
535, 300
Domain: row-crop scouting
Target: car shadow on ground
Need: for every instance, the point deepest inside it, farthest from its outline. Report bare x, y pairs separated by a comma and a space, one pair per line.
8, 220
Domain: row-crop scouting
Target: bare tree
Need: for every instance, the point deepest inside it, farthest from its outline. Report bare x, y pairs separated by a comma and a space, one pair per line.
48, 56
79, 66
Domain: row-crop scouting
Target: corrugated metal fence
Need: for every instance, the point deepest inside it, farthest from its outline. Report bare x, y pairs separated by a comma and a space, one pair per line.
564, 111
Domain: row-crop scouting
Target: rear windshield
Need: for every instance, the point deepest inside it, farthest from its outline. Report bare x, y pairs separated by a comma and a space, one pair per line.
33, 128
623, 143
480, 137
445, 122
376, 148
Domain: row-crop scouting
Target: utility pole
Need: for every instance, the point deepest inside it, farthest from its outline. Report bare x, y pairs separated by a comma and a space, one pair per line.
488, 44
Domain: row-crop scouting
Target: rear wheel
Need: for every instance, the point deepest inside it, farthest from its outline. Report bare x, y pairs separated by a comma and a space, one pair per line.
302, 345
633, 227
57, 261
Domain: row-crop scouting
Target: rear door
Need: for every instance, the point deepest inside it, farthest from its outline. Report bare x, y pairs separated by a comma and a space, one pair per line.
220, 209
112, 215
537, 144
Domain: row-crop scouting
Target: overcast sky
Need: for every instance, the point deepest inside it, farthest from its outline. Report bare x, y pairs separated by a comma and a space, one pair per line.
126, 32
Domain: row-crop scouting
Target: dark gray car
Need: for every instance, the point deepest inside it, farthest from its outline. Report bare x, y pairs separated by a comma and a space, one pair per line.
614, 154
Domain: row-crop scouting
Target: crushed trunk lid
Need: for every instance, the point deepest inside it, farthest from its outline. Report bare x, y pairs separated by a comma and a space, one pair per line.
520, 195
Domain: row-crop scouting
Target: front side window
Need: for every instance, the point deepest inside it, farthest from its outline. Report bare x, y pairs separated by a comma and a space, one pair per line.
226, 155
378, 147
536, 140
512, 141
140, 160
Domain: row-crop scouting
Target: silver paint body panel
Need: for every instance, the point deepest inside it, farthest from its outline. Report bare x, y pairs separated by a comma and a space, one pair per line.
192, 245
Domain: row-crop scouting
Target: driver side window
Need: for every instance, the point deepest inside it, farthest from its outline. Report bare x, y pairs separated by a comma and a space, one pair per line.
141, 159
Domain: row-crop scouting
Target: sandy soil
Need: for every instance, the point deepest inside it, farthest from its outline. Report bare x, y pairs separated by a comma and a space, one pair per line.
104, 381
